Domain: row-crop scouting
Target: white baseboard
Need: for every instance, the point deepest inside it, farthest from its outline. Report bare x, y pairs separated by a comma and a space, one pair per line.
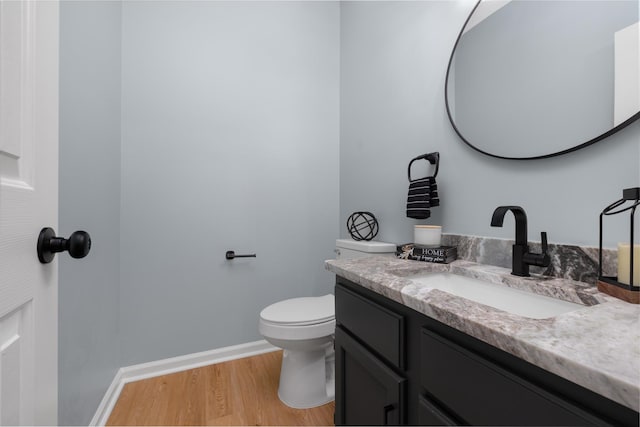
168, 366
108, 401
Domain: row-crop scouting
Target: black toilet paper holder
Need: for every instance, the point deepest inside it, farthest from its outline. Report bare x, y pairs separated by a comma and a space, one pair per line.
232, 255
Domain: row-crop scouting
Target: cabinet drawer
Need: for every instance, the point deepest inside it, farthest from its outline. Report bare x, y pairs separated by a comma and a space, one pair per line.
480, 392
380, 328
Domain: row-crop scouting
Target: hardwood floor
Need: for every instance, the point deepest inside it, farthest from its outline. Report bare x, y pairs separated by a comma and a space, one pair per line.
239, 392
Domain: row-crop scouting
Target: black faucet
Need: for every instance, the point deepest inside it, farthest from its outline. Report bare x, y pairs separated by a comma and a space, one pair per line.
522, 258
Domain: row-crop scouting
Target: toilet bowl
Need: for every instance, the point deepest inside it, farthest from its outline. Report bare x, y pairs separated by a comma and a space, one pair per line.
304, 328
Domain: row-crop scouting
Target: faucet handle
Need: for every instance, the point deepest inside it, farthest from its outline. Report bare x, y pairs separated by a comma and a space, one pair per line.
546, 259
543, 237
542, 259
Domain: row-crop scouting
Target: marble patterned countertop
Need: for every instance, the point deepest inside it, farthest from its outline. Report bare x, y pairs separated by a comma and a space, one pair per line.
597, 347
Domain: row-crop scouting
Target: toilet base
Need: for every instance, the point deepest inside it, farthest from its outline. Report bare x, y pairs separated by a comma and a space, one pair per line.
307, 378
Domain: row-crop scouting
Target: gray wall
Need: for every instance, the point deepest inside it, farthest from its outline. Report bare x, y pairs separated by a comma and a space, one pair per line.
229, 141
393, 64
89, 200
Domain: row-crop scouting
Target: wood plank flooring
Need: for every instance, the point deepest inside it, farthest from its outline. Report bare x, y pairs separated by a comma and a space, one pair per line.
238, 392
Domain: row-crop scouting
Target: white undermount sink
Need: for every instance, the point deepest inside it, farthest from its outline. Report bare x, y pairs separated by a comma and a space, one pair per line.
502, 297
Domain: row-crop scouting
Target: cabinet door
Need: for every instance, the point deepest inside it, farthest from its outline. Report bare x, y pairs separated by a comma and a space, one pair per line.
429, 414
368, 392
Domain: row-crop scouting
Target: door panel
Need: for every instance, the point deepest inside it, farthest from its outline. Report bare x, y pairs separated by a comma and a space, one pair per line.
16, 338
16, 88
368, 391
28, 202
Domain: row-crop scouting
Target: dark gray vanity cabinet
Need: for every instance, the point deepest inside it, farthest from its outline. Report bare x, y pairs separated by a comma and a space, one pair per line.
396, 366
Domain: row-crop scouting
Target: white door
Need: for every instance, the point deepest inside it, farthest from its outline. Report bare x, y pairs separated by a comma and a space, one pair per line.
28, 202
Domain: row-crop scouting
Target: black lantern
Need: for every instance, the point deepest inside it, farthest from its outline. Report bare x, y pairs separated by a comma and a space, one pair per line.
611, 285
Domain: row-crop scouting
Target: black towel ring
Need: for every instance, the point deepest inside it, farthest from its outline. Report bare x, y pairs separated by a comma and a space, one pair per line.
433, 158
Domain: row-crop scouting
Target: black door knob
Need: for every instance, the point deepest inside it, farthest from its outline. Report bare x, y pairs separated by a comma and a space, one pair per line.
78, 244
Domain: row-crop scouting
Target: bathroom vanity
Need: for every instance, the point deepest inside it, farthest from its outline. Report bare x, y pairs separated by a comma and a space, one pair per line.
408, 353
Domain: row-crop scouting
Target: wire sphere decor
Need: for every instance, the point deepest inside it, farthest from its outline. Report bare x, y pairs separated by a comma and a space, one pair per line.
362, 226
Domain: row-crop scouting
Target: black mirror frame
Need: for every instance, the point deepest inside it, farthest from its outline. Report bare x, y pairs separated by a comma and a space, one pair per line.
546, 156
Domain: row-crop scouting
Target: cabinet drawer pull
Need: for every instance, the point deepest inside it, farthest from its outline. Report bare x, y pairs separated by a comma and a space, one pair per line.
385, 415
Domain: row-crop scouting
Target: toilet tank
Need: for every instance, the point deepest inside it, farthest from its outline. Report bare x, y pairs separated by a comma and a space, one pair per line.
348, 248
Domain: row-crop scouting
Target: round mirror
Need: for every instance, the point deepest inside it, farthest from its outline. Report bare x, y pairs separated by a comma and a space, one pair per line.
531, 79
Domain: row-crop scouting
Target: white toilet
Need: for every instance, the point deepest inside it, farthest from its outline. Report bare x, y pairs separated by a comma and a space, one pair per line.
304, 328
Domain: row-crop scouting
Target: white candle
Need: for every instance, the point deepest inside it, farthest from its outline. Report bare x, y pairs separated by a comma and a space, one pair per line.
624, 261
427, 235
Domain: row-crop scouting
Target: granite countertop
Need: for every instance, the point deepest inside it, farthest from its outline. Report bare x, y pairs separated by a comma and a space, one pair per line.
597, 347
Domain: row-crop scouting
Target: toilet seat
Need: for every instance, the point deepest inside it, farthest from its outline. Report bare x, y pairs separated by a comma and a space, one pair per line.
296, 332
305, 311
299, 318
